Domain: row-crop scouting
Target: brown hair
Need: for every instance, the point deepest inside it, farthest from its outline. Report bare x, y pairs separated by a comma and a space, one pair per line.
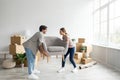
42, 27
63, 30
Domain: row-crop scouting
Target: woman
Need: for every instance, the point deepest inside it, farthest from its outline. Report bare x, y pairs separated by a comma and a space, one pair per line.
70, 52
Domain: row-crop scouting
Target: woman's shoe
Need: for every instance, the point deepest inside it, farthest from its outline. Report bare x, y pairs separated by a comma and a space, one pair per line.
61, 70
75, 70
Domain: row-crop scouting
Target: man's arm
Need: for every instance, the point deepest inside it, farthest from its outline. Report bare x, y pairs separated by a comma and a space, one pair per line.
42, 45
41, 49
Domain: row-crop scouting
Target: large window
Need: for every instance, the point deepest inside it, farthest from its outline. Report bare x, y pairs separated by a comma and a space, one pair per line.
107, 22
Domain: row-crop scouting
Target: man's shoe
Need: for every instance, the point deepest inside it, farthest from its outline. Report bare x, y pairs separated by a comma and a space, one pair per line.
33, 76
36, 71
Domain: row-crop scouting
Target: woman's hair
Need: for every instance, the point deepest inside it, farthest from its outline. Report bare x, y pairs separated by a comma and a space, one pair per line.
63, 30
42, 27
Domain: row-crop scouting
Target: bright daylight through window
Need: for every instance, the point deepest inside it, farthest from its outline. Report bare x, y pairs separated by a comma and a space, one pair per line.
106, 21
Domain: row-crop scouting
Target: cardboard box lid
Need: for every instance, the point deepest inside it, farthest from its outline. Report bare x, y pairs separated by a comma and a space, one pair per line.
81, 40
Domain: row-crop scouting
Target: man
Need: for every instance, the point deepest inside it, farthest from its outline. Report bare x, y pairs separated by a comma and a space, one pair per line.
35, 43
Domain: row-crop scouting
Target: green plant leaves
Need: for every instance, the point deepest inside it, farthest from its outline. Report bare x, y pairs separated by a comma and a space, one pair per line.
21, 57
83, 48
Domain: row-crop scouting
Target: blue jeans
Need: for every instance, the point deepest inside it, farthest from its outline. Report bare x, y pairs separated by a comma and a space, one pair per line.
30, 59
70, 51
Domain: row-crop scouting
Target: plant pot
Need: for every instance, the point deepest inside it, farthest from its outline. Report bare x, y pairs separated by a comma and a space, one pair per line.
22, 66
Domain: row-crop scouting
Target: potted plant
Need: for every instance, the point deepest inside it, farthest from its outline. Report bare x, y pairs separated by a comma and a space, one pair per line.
22, 58
73, 40
83, 49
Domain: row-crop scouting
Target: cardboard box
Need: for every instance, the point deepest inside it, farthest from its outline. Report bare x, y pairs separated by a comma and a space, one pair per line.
25, 63
89, 49
77, 61
78, 46
37, 59
17, 39
86, 60
13, 49
14, 56
81, 40
78, 55
84, 55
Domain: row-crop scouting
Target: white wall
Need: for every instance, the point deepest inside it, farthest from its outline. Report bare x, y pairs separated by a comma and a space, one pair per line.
107, 56
19, 16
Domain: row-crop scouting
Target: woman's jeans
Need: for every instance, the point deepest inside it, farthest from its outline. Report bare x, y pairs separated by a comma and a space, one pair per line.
70, 51
30, 59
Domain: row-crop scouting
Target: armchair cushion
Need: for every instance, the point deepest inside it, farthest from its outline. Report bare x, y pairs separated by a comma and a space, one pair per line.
56, 48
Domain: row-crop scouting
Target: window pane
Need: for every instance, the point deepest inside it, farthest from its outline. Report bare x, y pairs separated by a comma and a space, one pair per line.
96, 17
96, 4
112, 10
103, 2
112, 0
115, 31
103, 33
117, 8
96, 32
101, 22
104, 14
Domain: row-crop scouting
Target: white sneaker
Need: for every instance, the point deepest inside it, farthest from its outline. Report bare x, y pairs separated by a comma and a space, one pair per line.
33, 76
36, 71
75, 70
61, 70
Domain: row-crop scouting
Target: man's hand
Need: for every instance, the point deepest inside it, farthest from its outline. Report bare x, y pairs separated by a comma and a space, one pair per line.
46, 54
43, 51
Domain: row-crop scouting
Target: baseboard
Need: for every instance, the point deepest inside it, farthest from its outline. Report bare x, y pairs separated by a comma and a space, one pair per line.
106, 64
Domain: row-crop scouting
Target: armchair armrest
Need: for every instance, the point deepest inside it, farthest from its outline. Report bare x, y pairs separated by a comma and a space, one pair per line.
64, 44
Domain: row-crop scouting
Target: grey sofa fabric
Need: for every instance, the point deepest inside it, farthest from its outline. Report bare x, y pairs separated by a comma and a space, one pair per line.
55, 48
55, 45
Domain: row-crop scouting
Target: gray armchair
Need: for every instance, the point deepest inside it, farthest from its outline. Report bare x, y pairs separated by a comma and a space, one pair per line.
55, 45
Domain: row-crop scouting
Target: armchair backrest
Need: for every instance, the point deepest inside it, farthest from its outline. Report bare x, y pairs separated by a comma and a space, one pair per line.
54, 41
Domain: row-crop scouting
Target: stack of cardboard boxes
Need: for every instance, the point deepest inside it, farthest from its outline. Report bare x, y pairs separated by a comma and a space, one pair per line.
17, 47
82, 56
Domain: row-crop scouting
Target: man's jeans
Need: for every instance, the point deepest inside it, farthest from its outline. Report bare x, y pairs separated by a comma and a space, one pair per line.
30, 59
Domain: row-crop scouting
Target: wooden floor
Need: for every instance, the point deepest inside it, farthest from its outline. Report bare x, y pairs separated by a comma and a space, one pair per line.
49, 72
